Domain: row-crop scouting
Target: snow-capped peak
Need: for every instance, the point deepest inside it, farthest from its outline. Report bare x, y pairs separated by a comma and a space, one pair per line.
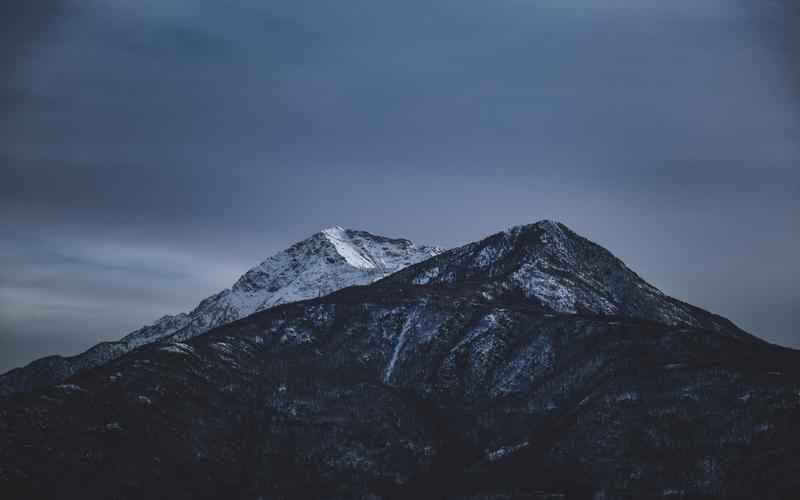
551, 265
344, 246
329, 260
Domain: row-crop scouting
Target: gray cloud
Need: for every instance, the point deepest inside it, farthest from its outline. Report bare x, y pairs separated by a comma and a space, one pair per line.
150, 151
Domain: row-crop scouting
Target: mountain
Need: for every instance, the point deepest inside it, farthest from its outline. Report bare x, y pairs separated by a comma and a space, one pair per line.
549, 264
531, 364
329, 260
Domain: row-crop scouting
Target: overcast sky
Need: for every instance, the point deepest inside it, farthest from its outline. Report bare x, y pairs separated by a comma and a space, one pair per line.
153, 150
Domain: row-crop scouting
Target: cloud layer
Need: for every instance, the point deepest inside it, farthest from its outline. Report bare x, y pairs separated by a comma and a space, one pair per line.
150, 151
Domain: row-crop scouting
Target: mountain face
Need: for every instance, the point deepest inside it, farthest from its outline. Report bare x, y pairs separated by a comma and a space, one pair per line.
327, 261
548, 264
531, 364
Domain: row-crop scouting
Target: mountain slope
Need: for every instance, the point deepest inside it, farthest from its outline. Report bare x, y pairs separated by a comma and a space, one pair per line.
548, 263
327, 261
455, 388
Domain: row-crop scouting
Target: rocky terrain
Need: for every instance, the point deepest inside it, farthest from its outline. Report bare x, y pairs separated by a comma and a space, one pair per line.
327, 261
531, 364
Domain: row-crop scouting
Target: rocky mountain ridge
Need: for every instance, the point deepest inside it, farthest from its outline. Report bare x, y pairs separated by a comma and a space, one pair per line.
453, 378
331, 259
548, 263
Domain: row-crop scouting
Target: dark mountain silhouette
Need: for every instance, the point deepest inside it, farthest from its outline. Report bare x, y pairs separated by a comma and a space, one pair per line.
531, 364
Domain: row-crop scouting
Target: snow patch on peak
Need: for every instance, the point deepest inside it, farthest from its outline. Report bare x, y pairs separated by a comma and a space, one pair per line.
329, 260
345, 247
548, 262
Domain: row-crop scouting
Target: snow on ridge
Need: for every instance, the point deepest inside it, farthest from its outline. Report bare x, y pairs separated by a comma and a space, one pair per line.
327, 261
504, 451
401, 341
345, 247
561, 270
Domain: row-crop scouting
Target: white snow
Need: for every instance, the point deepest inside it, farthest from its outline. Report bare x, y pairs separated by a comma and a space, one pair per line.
426, 277
562, 271
164, 326
178, 348
487, 323
293, 335
491, 254
330, 260
346, 249
504, 451
409, 323
71, 388
555, 293
627, 396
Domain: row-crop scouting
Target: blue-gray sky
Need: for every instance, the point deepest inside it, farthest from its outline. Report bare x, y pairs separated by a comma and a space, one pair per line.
152, 150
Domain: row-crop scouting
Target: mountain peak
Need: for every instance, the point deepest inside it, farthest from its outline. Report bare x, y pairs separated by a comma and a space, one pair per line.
545, 230
529, 345
543, 224
550, 265
351, 252
327, 261
333, 230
